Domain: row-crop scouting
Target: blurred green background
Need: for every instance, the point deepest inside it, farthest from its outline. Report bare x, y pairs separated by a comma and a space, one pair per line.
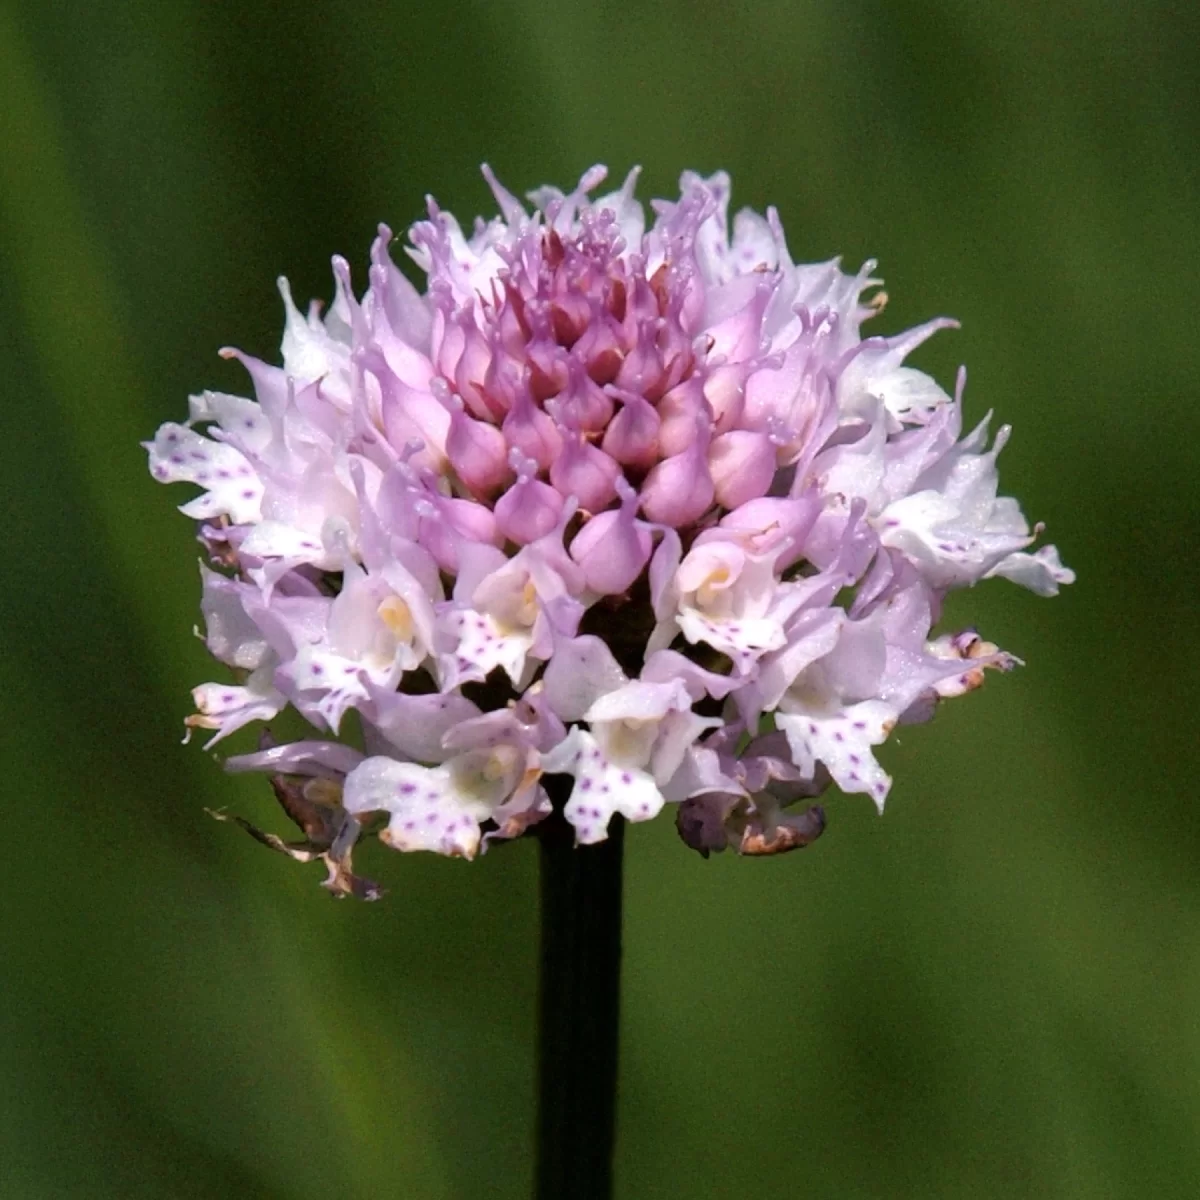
993, 991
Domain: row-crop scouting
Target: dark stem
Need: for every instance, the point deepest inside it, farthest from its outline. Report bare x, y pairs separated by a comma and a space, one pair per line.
578, 1005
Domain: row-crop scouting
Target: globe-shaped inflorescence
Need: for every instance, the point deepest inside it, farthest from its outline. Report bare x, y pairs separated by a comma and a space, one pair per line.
610, 517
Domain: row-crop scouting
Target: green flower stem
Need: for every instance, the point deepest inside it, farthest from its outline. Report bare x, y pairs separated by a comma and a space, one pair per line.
579, 1000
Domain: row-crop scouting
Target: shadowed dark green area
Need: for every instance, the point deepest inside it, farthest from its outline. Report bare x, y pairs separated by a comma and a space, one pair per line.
993, 991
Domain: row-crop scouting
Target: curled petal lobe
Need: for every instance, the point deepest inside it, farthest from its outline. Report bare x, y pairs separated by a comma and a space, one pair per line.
791, 831
328, 760
1041, 572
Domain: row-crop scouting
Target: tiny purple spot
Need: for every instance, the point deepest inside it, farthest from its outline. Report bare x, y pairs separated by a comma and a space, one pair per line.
317, 669
812, 729
222, 474
410, 824
839, 736
407, 789
854, 776
227, 697
177, 458
645, 808
855, 759
248, 494
860, 724
585, 785
626, 777
431, 818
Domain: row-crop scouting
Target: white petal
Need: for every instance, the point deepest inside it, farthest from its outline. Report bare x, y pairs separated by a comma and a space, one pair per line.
327, 683
427, 811
233, 488
481, 646
1040, 572
638, 701
578, 674
226, 708
232, 636
416, 725
275, 539
243, 422
843, 743
309, 353
601, 787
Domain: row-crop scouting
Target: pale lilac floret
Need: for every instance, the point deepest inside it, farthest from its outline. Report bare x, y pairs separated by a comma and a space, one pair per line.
612, 514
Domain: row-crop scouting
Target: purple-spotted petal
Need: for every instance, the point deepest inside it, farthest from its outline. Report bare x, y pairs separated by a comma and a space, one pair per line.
602, 788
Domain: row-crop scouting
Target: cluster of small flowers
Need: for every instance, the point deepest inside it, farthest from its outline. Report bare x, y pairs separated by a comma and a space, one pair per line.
623, 516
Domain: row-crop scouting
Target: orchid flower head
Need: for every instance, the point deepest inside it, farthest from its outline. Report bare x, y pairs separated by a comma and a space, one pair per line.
617, 511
